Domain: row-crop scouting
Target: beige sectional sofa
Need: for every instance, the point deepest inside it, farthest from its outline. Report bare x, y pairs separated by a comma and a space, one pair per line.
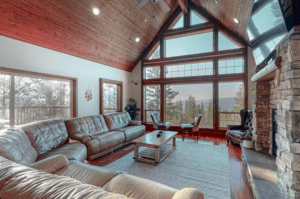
41, 161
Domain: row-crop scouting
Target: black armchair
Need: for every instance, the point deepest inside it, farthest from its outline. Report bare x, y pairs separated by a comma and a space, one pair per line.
236, 133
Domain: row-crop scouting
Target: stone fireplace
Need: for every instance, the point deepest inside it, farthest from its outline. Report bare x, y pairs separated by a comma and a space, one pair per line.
285, 99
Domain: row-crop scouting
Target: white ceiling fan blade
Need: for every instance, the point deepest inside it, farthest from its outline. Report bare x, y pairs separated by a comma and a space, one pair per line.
164, 5
142, 4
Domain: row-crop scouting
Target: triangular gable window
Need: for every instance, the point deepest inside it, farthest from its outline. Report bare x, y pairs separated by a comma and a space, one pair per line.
225, 43
155, 54
179, 23
196, 19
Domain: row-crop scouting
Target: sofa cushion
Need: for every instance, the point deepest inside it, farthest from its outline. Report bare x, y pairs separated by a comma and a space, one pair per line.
46, 135
132, 132
188, 193
51, 164
87, 174
18, 181
140, 188
104, 141
72, 151
15, 145
90, 125
117, 120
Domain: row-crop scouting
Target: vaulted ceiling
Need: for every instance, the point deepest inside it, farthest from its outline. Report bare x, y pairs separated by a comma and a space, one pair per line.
109, 38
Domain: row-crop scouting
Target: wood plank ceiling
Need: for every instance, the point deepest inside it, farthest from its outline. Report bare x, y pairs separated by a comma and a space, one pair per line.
226, 10
70, 27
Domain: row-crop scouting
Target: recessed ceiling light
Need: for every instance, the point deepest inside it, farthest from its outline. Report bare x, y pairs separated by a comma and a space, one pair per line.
145, 20
235, 20
137, 39
216, 1
96, 11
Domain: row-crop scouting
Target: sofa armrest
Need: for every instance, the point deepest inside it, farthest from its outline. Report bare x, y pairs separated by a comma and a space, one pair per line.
188, 193
51, 164
235, 127
135, 123
81, 137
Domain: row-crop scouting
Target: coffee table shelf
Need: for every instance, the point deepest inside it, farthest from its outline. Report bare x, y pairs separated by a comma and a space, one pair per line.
158, 148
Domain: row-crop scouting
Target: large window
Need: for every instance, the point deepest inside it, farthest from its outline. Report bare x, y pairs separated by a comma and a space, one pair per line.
30, 98
189, 45
152, 101
231, 101
41, 99
197, 69
231, 66
152, 72
111, 96
189, 70
155, 54
184, 101
225, 43
196, 19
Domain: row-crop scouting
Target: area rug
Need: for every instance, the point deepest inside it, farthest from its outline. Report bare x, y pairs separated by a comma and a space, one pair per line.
201, 166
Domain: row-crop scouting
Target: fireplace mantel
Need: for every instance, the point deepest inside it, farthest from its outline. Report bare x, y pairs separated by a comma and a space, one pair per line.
268, 72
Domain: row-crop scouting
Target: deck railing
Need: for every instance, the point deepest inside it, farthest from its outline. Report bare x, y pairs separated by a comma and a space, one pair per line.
227, 118
24, 115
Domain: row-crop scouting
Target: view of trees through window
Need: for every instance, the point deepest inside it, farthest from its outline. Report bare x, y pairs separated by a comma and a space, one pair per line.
152, 72
110, 98
152, 101
184, 101
231, 102
35, 99
41, 99
4, 101
155, 54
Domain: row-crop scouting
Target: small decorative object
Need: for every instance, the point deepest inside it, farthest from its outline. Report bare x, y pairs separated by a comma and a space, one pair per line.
132, 109
160, 133
135, 83
248, 144
88, 94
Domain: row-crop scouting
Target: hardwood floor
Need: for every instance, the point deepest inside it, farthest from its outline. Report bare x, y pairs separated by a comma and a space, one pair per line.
240, 188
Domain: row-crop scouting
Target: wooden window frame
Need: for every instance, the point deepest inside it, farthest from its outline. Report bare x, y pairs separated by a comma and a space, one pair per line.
119, 94
16, 72
215, 56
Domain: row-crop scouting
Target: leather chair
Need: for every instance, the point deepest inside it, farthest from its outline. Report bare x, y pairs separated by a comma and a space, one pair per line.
194, 127
159, 125
236, 133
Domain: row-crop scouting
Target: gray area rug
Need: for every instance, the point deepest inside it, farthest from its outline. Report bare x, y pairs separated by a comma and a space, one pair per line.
201, 166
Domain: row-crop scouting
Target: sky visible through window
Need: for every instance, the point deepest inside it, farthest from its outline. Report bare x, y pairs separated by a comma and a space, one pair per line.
264, 20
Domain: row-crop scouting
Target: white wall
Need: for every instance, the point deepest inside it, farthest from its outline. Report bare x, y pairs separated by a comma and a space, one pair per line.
23, 56
136, 90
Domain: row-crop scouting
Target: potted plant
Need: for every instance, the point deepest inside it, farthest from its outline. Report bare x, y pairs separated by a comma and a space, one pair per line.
132, 109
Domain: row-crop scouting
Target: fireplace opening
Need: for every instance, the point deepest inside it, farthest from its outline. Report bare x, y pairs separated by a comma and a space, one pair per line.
274, 131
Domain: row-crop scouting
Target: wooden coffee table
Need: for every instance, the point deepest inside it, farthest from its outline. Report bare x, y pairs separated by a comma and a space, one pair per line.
157, 147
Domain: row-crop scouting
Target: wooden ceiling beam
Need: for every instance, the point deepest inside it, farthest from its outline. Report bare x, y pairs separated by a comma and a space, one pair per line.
184, 5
